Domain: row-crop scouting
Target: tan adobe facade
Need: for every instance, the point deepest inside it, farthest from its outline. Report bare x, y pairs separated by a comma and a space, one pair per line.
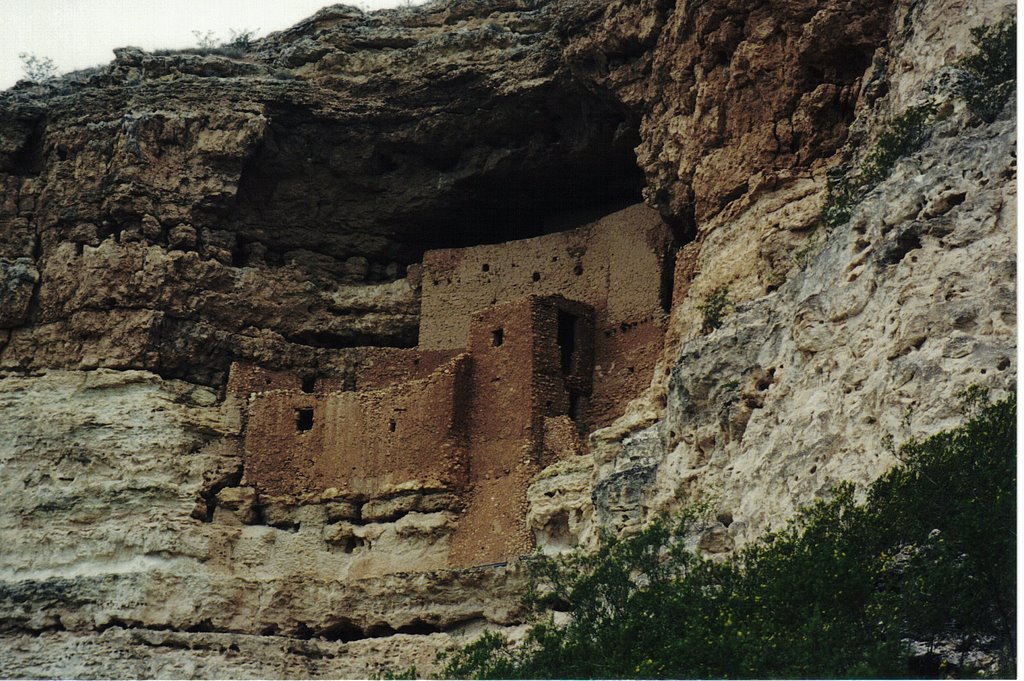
508, 370
620, 266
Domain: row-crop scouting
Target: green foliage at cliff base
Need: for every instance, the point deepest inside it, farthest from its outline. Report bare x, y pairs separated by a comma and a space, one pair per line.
927, 556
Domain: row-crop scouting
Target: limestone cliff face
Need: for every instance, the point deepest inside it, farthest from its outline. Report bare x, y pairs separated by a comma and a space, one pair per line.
840, 339
166, 215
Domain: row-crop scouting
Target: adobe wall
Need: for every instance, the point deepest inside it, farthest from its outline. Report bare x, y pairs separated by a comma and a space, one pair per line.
382, 367
349, 369
364, 444
614, 265
625, 358
385, 419
501, 414
619, 266
244, 379
517, 380
562, 390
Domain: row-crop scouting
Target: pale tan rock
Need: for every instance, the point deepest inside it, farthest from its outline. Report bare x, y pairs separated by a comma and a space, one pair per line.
716, 539
559, 504
874, 337
238, 503
166, 215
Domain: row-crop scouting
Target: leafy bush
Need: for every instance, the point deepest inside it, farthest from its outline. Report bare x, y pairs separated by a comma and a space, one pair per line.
714, 307
37, 69
242, 39
994, 67
929, 556
903, 136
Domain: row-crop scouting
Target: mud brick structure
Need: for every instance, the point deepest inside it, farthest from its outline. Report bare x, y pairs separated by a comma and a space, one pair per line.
621, 266
523, 346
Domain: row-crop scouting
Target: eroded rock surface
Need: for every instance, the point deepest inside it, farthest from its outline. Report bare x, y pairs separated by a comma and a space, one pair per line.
871, 341
168, 214
107, 529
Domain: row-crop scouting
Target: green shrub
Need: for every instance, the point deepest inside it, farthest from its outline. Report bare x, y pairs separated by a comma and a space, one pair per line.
903, 136
929, 556
37, 69
714, 307
994, 67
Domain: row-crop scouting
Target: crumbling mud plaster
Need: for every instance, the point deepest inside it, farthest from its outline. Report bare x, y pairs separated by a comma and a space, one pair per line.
510, 368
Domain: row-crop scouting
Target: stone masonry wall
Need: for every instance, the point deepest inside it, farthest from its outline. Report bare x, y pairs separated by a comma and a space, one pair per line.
616, 265
364, 443
517, 381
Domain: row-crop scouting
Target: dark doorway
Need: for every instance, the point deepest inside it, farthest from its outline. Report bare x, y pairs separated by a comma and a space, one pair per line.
566, 339
304, 419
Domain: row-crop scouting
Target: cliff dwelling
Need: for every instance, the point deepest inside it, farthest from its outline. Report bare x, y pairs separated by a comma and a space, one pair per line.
319, 352
523, 347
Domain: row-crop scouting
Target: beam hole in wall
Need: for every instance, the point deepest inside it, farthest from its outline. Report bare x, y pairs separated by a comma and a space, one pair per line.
578, 270
486, 268
303, 419
352, 543
308, 383
536, 276
497, 337
392, 425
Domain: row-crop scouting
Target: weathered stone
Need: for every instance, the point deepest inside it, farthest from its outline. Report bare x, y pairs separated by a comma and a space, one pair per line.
236, 502
389, 509
855, 331
319, 167
18, 281
340, 510
85, 233
182, 238
716, 539
153, 231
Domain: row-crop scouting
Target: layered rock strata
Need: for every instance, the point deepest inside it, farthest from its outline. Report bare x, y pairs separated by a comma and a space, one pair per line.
169, 214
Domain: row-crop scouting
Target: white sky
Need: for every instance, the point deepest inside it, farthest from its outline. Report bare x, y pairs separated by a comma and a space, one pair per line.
78, 34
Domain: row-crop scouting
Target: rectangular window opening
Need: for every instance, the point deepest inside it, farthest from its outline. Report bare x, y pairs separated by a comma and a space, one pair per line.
308, 384
497, 337
566, 339
303, 419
